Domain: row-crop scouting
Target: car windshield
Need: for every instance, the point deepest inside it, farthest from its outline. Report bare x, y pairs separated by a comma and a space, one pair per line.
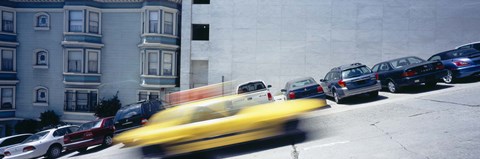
302, 83
405, 62
36, 137
250, 87
355, 72
90, 125
128, 112
465, 53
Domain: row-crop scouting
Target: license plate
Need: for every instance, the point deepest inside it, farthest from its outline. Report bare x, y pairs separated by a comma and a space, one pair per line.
416, 81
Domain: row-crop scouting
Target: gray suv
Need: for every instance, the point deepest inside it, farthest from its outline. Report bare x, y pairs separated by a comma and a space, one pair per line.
349, 80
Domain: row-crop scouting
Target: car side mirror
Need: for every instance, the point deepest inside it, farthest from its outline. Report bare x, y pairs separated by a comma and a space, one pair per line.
269, 86
283, 90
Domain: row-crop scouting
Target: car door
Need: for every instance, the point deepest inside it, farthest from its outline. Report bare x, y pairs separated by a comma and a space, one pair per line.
324, 84
383, 72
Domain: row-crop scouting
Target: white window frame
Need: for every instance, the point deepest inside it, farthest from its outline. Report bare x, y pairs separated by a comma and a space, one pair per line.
142, 62
35, 59
87, 58
148, 62
159, 21
173, 62
14, 60
99, 22
35, 95
67, 21
67, 54
149, 92
2, 9
13, 96
75, 97
173, 22
35, 21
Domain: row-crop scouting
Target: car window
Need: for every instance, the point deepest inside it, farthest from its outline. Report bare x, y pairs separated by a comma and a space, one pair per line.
302, 83
462, 53
128, 112
375, 68
414, 60
476, 46
355, 72
383, 67
435, 58
60, 132
13, 140
335, 76
399, 63
108, 123
251, 87
73, 128
36, 137
328, 76
90, 125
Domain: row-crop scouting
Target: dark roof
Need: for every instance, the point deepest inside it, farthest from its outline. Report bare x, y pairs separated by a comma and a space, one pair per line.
401, 58
455, 50
349, 66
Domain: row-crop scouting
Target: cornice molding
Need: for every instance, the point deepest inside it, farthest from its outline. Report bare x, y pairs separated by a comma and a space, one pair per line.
101, 1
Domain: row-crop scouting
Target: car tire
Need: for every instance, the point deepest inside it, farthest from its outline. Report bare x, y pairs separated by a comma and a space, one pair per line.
54, 151
392, 87
82, 150
448, 78
373, 94
430, 84
107, 141
336, 98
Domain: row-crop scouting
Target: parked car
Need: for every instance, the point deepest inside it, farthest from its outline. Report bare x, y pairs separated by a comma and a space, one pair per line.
10, 141
135, 115
89, 134
474, 45
303, 88
214, 123
256, 91
460, 63
48, 143
349, 80
409, 71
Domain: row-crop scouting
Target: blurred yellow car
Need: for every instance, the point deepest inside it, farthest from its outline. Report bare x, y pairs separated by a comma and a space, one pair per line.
216, 122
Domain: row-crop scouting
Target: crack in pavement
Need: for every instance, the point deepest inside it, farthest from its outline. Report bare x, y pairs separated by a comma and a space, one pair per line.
448, 102
391, 138
414, 115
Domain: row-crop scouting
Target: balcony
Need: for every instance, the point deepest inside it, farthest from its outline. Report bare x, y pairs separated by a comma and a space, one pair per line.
73, 39
7, 113
8, 77
81, 79
158, 81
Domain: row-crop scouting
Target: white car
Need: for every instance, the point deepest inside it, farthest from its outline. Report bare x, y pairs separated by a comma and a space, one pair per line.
47, 143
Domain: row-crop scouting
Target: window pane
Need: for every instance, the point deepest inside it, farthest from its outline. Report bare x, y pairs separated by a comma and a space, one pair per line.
41, 95
152, 63
167, 64
7, 60
75, 61
41, 58
153, 21
76, 21
7, 98
168, 23
42, 21
200, 31
92, 62
142, 95
7, 21
93, 24
154, 95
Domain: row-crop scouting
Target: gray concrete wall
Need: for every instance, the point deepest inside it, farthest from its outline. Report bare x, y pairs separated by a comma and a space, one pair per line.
279, 40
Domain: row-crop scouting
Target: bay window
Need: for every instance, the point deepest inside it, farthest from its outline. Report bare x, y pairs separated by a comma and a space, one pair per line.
83, 61
168, 23
7, 21
75, 61
7, 97
93, 22
81, 100
75, 21
7, 62
153, 17
158, 63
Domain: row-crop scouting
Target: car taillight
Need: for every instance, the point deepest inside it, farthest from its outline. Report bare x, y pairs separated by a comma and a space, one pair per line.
6, 153
376, 76
291, 95
88, 134
319, 89
409, 73
439, 66
28, 148
341, 83
144, 121
269, 95
460, 63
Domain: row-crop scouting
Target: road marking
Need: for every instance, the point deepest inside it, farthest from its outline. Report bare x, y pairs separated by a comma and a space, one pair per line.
326, 145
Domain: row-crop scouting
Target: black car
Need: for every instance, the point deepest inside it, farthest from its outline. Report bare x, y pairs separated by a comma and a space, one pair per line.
303, 88
408, 71
135, 115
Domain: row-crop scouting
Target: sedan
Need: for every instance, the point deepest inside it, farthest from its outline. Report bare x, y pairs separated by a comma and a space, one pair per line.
89, 134
10, 141
460, 63
213, 123
303, 88
48, 143
409, 71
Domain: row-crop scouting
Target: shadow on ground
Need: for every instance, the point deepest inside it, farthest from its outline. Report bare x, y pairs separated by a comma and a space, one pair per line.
422, 89
359, 99
90, 150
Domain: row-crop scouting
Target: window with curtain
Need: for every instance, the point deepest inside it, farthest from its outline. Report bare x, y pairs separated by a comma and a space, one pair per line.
153, 22
93, 22
7, 60
7, 98
152, 63
168, 22
7, 21
92, 62
167, 64
76, 21
75, 61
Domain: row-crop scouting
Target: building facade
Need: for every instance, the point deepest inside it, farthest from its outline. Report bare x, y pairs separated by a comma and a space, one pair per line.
66, 55
279, 40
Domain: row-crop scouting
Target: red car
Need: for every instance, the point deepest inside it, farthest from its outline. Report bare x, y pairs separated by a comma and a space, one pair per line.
89, 134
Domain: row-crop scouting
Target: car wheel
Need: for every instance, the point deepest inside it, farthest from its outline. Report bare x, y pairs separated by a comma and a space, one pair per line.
430, 84
107, 140
54, 151
82, 150
448, 78
373, 94
392, 87
336, 98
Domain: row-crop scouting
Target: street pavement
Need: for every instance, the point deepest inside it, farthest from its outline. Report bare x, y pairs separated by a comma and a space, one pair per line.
416, 123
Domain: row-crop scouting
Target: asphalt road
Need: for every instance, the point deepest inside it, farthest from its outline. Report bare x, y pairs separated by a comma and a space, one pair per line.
417, 123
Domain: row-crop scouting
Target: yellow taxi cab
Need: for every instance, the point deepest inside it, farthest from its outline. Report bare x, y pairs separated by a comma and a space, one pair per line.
214, 123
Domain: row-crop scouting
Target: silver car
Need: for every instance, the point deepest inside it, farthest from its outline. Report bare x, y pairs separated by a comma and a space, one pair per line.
47, 143
10, 141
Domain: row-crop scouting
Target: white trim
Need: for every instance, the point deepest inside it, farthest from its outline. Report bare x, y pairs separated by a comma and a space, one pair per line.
87, 58
78, 33
66, 22
160, 8
39, 67
13, 95
65, 60
8, 9
74, 98
9, 82
8, 119
158, 45
173, 22
50, 10
14, 58
122, 10
164, 35
81, 8
40, 104
149, 92
77, 113
83, 44
87, 26
173, 61
82, 83
148, 52
81, 74
35, 21
14, 44
142, 62
8, 110
35, 58
35, 100
151, 76
157, 86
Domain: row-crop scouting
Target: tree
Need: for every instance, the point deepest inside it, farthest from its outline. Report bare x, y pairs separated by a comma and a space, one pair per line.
26, 126
108, 107
49, 118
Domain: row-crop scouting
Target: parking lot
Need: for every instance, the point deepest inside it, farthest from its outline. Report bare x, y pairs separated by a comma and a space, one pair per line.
417, 123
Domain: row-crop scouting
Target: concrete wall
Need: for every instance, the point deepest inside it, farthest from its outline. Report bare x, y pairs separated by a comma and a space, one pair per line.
279, 40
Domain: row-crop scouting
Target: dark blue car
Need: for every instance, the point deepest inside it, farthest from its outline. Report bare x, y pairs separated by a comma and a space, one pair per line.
303, 88
460, 63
